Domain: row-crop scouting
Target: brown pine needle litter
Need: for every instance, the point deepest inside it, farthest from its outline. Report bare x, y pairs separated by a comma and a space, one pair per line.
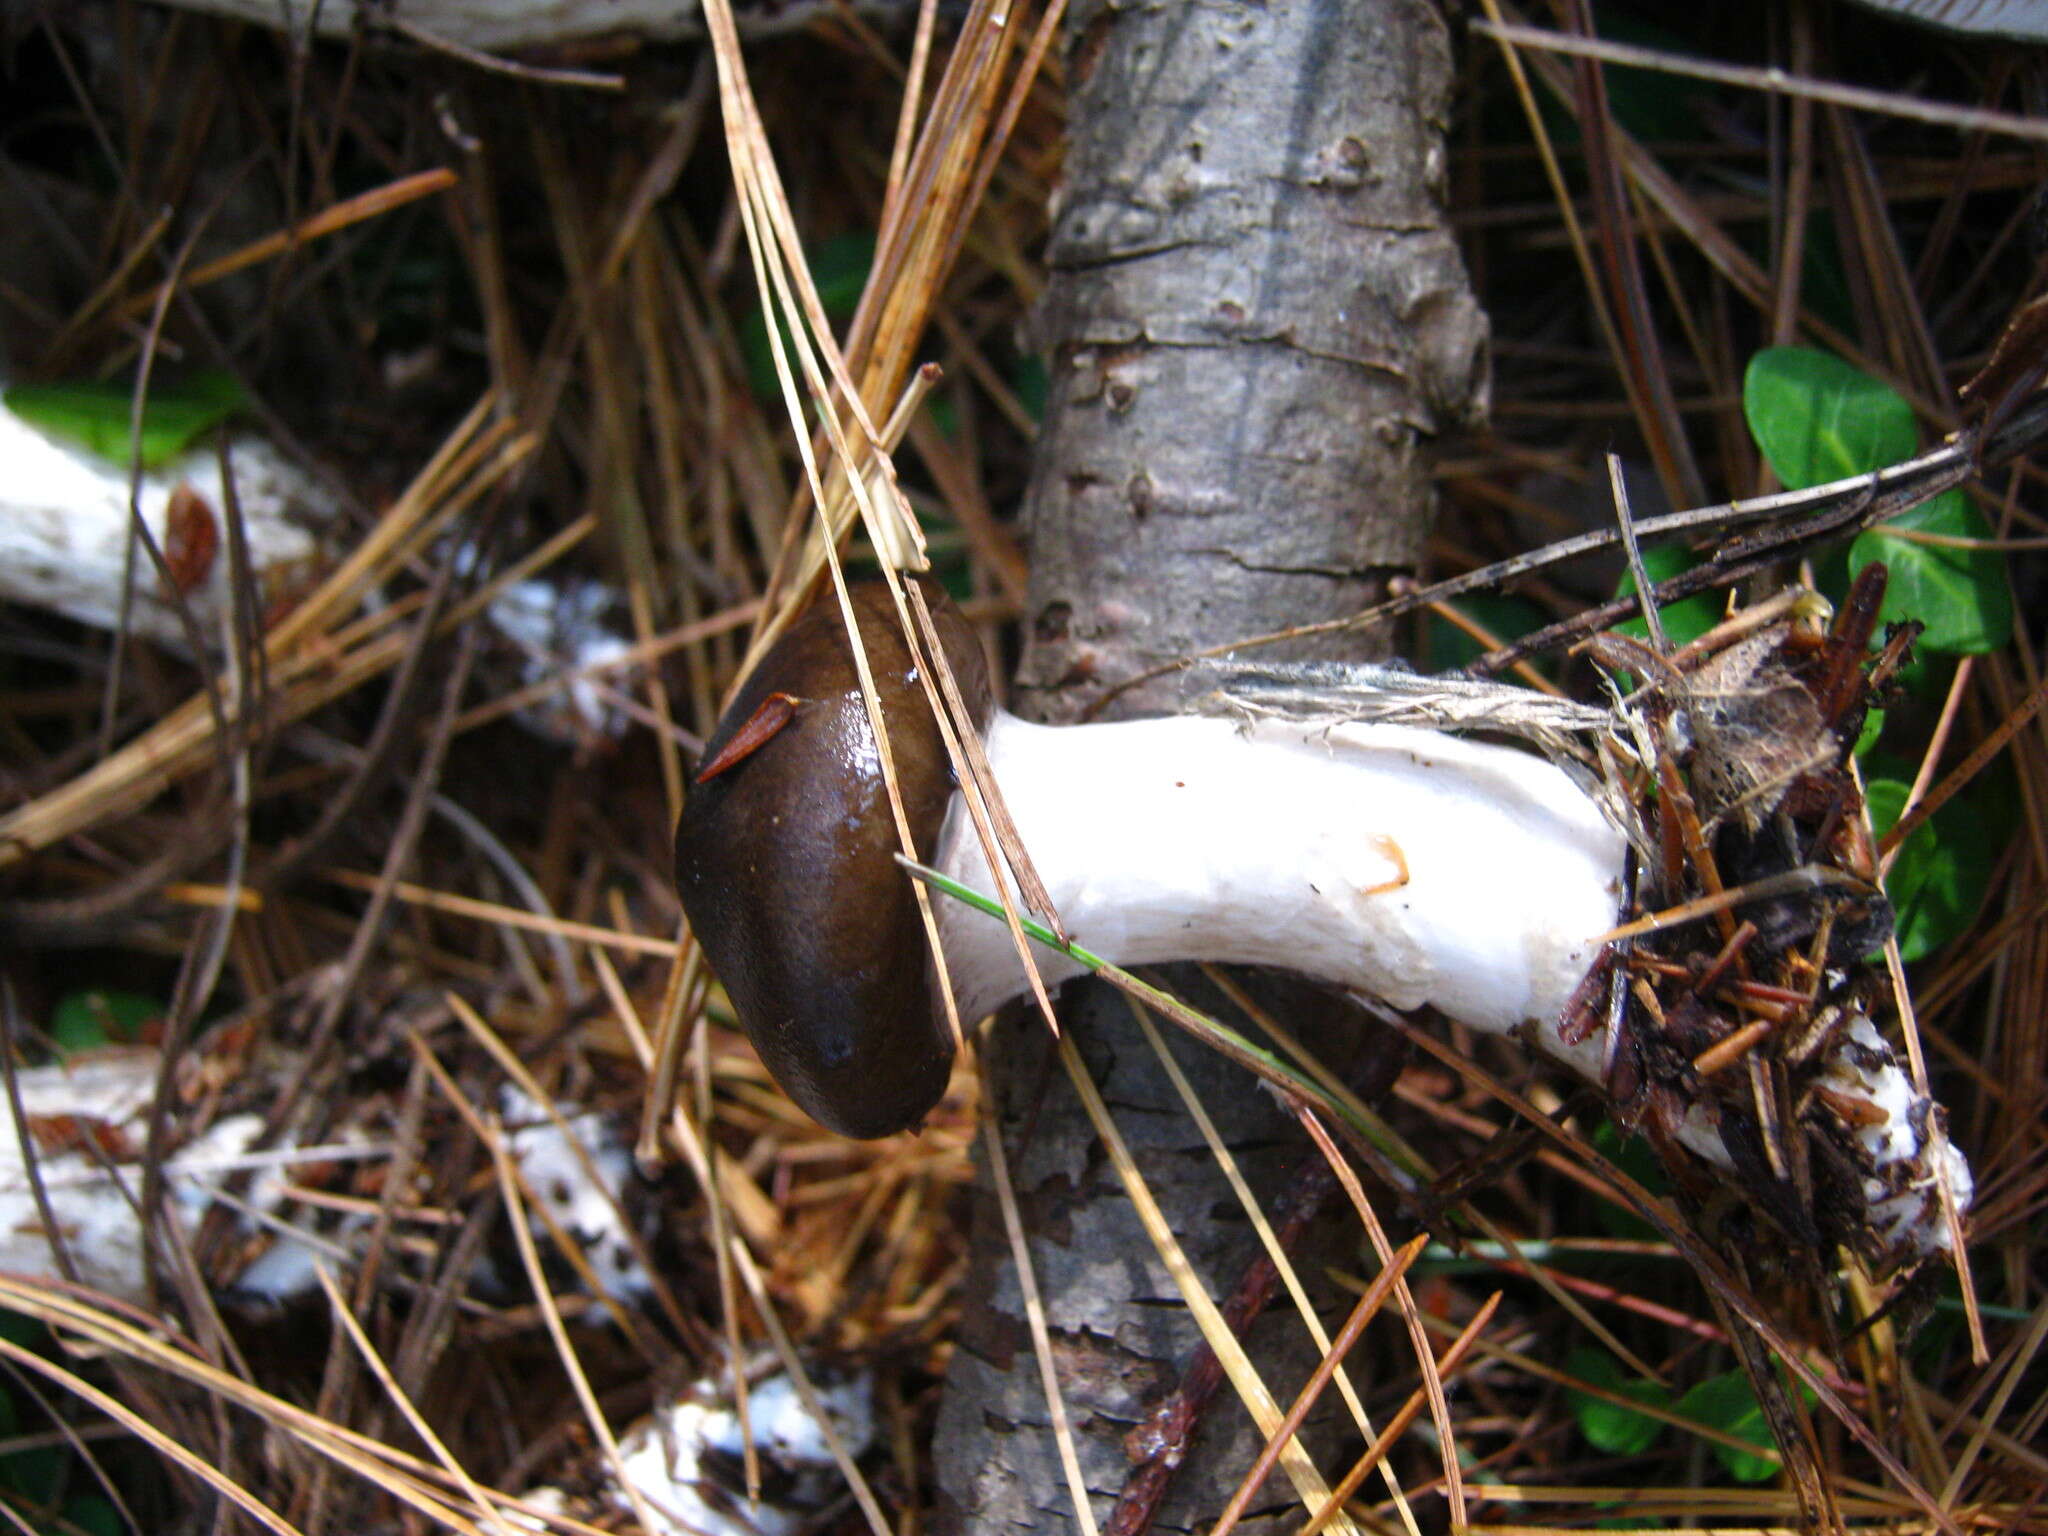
462, 1187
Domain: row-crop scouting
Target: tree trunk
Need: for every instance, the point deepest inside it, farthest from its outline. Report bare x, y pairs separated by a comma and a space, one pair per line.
1256, 322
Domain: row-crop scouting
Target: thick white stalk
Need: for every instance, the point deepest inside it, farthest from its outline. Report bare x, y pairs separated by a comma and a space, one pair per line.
1411, 865
1404, 864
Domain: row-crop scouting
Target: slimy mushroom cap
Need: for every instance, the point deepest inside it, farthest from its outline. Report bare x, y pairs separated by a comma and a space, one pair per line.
786, 864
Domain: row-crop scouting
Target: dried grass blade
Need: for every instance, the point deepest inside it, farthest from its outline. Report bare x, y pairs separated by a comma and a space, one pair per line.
405, 1405
762, 198
1256, 1215
1432, 1380
1625, 523
365, 205
1020, 90
509, 1063
305, 673
459, 456
404, 1476
1216, 1332
1034, 1313
149, 1435
2023, 1357
696, 1154
1407, 1414
913, 96
878, 725
1000, 844
1402, 1167
671, 1026
1367, 1307
529, 1256
507, 917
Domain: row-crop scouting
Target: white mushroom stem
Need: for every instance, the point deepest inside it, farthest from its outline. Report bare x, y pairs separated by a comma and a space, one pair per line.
1417, 867
66, 527
1408, 865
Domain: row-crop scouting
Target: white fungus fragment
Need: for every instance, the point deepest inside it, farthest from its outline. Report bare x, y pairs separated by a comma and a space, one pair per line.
88, 1123
65, 526
684, 1460
583, 1191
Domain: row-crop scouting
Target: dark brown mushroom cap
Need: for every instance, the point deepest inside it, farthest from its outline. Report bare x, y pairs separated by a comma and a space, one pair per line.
786, 865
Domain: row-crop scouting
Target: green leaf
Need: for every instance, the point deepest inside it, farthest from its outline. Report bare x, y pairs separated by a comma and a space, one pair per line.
95, 416
1609, 1427
1959, 594
1819, 419
1938, 880
1727, 1403
1685, 620
85, 1021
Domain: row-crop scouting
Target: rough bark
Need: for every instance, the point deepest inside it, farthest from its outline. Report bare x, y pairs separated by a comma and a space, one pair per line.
1122, 1338
1256, 320
1256, 323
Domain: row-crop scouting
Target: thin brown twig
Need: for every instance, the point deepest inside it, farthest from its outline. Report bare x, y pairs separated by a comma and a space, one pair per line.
1792, 520
1410, 1410
1366, 1308
366, 205
1777, 81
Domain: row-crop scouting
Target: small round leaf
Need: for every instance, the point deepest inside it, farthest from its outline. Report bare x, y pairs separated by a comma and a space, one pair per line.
1727, 1403
1819, 419
1610, 1427
1959, 594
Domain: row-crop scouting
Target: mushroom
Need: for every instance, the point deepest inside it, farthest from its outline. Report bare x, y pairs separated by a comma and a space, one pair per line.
786, 865
1405, 864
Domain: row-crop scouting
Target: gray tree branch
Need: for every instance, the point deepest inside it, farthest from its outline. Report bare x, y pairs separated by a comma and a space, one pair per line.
1256, 323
